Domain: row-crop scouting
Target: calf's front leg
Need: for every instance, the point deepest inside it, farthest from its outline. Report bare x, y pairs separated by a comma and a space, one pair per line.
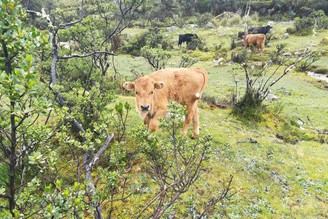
152, 121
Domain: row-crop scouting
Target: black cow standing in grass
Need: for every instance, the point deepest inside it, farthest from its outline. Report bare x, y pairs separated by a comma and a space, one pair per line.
188, 37
257, 30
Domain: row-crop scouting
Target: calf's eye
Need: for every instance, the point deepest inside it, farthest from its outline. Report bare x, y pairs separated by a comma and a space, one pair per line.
137, 93
151, 92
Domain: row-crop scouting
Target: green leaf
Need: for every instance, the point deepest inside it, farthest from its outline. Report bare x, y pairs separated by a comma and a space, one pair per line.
47, 189
11, 5
58, 184
29, 58
66, 193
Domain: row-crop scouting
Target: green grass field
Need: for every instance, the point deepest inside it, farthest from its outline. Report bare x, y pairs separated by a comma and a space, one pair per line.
273, 178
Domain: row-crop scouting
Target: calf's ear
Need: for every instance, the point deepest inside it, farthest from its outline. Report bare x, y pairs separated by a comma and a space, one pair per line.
159, 85
129, 86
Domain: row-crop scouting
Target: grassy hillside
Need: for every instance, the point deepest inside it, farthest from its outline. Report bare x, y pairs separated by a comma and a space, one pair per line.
279, 164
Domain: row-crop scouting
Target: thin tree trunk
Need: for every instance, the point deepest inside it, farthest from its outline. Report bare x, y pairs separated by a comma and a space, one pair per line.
13, 138
12, 161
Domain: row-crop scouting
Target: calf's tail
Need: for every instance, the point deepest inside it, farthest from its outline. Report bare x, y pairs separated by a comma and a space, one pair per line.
205, 78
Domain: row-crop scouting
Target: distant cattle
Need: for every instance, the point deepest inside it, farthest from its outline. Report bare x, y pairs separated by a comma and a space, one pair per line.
262, 30
70, 45
241, 34
154, 91
188, 37
257, 40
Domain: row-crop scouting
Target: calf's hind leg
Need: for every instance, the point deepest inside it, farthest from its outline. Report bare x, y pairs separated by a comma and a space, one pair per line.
191, 112
195, 123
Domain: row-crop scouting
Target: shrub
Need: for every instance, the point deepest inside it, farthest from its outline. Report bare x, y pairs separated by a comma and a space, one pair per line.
156, 57
304, 64
276, 56
195, 43
172, 162
255, 17
291, 30
235, 20
152, 38
324, 41
230, 19
290, 132
320, 19
233, 43
249, 108
239, 57
303, 26
203, 19
187, 61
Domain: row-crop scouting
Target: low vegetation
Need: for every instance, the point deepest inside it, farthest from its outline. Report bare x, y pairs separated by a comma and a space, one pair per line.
72, 145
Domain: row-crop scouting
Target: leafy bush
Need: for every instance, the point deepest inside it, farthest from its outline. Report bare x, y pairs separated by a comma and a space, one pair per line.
303, 26
203, 19
239, 57
304, 64
303, 23
276, 56
320, 19
187, 61
173, 162
290, 132
152, 38
235, 21
233, 44
156, 57
195, 43
249, 108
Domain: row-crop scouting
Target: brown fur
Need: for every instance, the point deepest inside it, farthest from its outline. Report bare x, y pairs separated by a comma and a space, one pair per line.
183, 85
255, 39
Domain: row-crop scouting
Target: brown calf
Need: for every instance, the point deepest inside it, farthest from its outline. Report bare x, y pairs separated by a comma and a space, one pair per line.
154, 92
257, 40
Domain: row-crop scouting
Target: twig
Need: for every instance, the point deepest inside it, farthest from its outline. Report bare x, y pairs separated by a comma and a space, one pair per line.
319, 132
85, 55
101, 150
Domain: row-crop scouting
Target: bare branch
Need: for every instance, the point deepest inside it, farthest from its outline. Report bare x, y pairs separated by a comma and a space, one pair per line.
101, 150
85, 55
213, 201
124, 13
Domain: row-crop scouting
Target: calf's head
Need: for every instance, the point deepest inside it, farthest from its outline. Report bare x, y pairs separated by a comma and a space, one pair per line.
145, 90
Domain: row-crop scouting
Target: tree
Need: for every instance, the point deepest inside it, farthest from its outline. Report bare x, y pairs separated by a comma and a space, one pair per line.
260, 80
22, 102
79, 83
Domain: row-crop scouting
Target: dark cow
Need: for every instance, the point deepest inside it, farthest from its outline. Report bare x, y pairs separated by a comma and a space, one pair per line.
262, 30
241, 34
188, 37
